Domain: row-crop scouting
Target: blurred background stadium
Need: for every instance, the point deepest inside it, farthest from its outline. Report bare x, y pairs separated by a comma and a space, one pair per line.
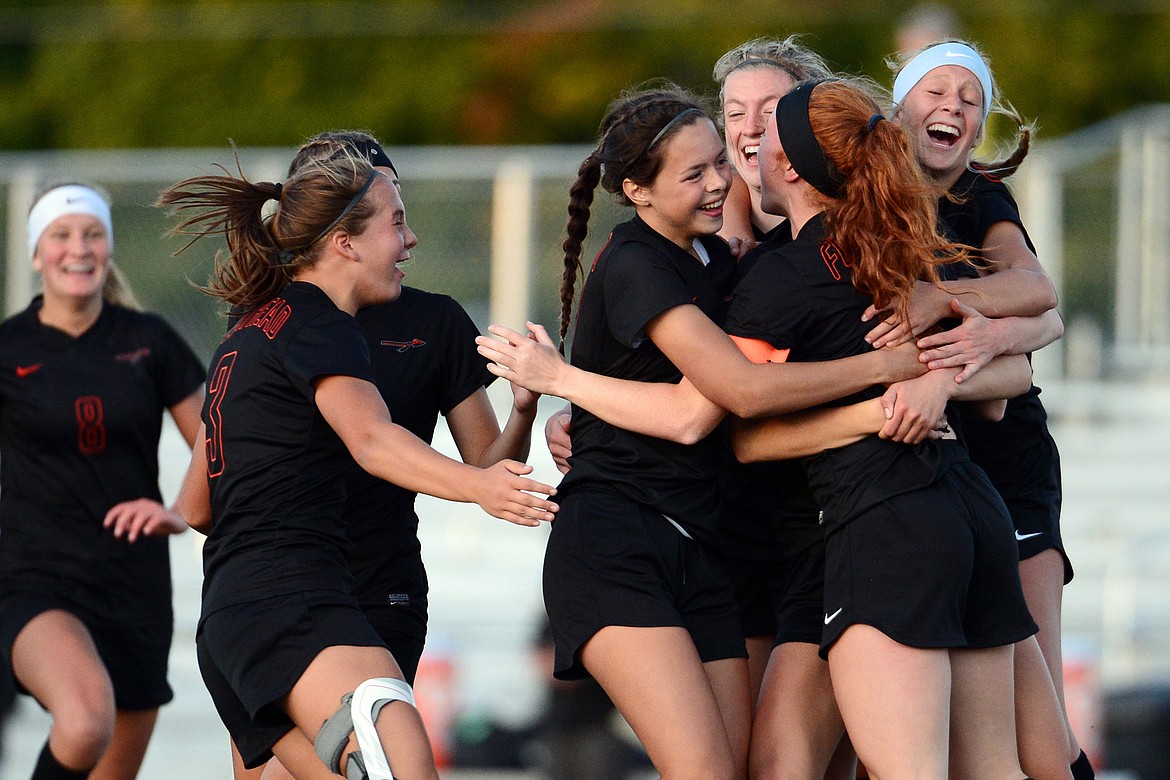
487, 108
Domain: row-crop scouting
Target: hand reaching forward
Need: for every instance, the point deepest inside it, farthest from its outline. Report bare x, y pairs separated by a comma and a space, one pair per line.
142, 517
505, 492
530, 361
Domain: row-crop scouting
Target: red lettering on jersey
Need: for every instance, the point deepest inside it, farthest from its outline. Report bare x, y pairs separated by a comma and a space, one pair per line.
217, 384
91, 426
832, 255
269, 317
23, 371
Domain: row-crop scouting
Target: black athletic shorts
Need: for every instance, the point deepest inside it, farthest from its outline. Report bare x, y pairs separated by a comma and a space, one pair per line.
133, 652
936, 567
612, 562
1034, 504
800, 577
252, 654
404, 631
782, 598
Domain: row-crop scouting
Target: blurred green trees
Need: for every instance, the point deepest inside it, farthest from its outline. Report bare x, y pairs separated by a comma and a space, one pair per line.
155, 73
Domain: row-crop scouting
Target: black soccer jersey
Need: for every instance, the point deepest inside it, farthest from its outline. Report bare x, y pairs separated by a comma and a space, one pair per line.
760, 500
275, 467
422, 349
801, 298
638, 275
984, 201
80, 420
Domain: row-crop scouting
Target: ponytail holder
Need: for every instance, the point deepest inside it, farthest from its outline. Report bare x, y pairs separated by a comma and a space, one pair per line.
279, 188
873, 120
285, 257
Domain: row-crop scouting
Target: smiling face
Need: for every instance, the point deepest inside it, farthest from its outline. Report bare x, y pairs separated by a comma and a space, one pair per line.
749, 98
944, 114
385, 242
685, 200
73, 256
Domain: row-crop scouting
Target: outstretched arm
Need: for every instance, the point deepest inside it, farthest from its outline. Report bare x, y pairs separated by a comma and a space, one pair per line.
358, 415
677, 412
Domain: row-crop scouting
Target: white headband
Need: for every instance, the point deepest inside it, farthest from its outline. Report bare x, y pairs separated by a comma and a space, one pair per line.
66, 199
935, 57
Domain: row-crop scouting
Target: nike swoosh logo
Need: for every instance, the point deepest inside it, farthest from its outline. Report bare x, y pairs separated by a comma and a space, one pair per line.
23, 371
829, 618
1021, 537
956, 54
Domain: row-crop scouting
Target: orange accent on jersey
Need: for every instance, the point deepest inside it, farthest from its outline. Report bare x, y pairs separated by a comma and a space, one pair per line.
23, 371
759, 351
832, 255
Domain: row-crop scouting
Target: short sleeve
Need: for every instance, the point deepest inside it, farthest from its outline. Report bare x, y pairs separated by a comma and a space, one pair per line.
466, 369
328, 345
177, 371
771, 303
640, 283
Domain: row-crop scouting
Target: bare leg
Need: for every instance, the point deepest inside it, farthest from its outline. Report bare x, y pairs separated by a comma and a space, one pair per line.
983, 729
297, 753
54, 658
1041, 730
895, 701
843, 765
123, 758
337, 671
797, 726
1043, 579
238, 771
656, 680
729, 682
759, 649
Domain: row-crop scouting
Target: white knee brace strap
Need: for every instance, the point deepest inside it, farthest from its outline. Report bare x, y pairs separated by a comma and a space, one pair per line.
368, 700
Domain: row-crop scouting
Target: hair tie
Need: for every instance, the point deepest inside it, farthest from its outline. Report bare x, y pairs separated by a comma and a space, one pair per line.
873, 120
278, 188
800, 142
285, 257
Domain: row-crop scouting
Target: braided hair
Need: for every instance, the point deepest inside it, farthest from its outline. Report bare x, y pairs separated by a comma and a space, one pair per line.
631, 144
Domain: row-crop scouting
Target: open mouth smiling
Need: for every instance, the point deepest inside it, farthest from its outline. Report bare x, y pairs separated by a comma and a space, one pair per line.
943, 134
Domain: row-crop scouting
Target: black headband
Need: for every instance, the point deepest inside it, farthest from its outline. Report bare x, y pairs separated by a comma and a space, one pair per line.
286, 256
667, 127
800, 143
373, 151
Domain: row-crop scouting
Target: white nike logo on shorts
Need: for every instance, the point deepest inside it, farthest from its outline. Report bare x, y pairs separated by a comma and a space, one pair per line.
829, 618
1021, 537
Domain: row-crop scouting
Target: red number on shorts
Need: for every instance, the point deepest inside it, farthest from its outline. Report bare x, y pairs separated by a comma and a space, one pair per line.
216, 387
91, 427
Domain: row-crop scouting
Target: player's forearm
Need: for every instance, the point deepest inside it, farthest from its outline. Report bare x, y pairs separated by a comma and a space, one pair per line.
805, 433
1012, 292
1006, 376
676, 412
514, 441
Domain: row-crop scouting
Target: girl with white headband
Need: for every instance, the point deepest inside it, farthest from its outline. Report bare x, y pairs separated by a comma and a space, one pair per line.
85, 590
944, 95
